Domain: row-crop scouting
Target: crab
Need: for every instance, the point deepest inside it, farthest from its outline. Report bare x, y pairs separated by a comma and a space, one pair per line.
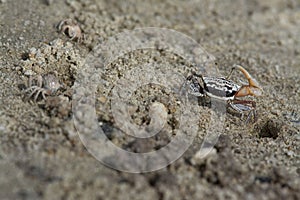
71, 28
45, 85
222, 88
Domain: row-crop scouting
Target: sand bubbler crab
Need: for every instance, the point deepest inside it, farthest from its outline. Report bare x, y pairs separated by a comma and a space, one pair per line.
71, 28
223, 89
42, 86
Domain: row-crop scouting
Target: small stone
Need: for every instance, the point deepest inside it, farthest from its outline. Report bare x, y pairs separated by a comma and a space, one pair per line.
27, 22
29, 73
32, 50
42, 23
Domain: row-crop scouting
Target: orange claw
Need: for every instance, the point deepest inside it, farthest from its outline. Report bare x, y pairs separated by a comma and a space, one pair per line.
252, 89
246, 90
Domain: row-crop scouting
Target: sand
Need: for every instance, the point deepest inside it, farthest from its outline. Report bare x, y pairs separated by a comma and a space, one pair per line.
41, 153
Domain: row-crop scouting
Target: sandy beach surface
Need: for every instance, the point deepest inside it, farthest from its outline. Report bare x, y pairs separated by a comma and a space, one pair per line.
41, 153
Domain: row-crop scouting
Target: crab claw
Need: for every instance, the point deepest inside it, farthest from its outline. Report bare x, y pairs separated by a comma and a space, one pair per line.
246, 90
256, 91
252, 89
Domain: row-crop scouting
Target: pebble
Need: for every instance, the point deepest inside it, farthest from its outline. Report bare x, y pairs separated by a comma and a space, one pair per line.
27, 22
28, 73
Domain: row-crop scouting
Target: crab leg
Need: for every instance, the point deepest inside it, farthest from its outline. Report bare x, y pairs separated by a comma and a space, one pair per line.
34, 89
37, 95
242, 106
43, 95
29, 89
